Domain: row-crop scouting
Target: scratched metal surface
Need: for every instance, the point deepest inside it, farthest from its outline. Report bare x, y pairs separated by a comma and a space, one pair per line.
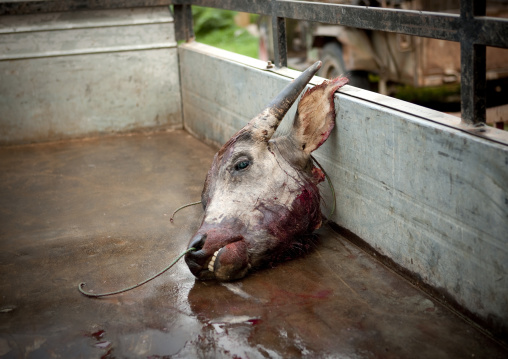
422, 192
97, 210
76, 74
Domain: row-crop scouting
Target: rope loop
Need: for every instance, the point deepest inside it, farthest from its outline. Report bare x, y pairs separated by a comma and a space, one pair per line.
93, 295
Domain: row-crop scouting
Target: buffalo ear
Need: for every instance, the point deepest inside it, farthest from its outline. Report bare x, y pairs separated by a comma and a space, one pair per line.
315, 117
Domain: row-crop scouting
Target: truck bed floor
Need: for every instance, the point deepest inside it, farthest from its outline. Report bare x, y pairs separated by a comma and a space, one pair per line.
97, 210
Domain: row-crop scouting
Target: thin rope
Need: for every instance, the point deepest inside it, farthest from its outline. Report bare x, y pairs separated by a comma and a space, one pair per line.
182, 207
88, 294
329, 184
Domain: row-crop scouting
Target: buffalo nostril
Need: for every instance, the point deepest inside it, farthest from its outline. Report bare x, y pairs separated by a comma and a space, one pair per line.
198, 241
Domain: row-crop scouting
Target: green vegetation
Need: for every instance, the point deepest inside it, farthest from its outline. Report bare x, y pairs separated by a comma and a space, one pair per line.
445, 98
446, 93
217, 28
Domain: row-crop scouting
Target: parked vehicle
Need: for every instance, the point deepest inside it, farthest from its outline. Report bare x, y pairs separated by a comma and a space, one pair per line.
379, 61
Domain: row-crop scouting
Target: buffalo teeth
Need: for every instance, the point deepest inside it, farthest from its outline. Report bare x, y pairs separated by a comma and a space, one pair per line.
212, 261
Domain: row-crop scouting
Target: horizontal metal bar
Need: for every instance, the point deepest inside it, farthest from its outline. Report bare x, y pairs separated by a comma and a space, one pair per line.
9, 7
493, 31
97, 50
444, 26
410, 22
63, 27
419, 23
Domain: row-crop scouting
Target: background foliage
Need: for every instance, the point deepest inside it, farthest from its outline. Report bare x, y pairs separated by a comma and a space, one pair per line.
218, 28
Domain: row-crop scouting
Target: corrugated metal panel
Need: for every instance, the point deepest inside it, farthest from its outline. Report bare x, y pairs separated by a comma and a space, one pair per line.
75, 74
430, 197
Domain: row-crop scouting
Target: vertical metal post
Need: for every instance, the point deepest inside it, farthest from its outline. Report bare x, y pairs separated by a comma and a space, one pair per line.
183, 22
279, 41
473, 64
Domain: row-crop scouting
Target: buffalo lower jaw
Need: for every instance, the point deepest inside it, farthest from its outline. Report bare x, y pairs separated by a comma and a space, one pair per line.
225, 271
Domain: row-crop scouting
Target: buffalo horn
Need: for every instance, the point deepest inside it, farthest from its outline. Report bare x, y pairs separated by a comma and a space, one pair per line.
263, 126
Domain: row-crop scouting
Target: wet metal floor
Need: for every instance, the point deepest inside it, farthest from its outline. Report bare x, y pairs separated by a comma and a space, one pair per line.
98, 211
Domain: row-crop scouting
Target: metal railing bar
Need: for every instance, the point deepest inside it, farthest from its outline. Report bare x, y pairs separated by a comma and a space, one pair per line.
473, 83
472, 29
184, 29
279, 41
491, 31
409, 22
88, 51
473, 64
42, 6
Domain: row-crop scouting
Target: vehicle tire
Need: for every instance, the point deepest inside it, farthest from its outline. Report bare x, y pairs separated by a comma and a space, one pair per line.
333, 66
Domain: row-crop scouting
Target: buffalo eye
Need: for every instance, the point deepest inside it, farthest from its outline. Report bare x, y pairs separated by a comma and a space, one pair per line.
242, 164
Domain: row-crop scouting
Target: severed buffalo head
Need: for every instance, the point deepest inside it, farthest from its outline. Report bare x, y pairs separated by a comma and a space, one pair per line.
260, 195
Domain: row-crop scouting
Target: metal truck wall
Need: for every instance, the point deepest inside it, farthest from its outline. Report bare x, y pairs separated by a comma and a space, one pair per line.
80, 73
428, 196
